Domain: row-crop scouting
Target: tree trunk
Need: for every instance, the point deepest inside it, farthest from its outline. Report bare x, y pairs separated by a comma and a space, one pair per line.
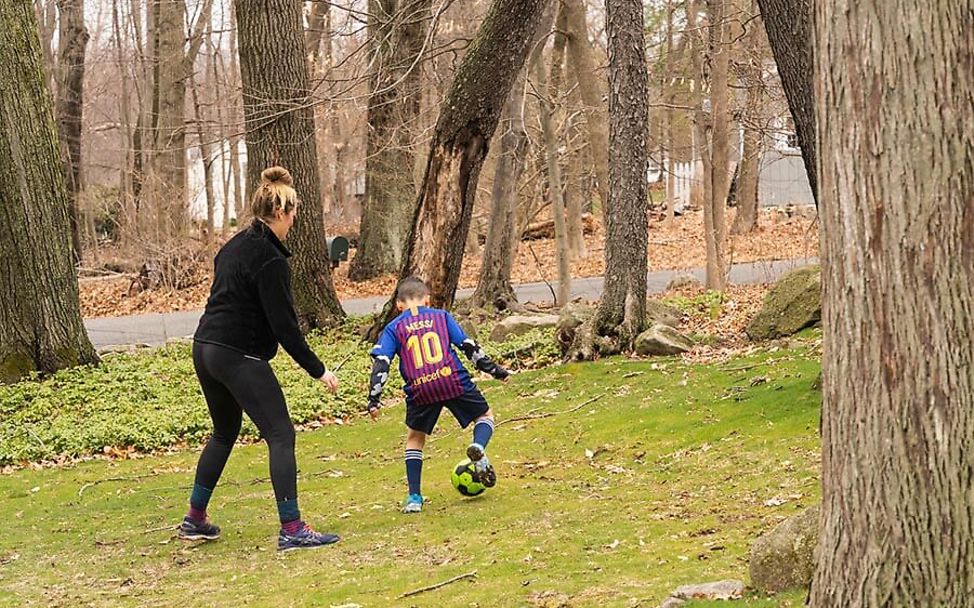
897, 222
72, 40
397, 34
206, 157
494, 285
621, 315
280, 131
547, 91
467, 121
749, 169
583, 58
40, 319
668, 128
790, 29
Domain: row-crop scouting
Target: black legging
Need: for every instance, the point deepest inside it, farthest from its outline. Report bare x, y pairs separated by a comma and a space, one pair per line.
234, 383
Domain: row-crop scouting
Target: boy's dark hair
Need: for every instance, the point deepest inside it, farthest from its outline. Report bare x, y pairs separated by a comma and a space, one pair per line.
411, 288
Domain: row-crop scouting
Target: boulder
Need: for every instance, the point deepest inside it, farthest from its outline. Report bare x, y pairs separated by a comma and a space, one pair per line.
662, 340
468, 326
794, 303
571, 317
518, 325
721, 590
657, 312
784, 558
684, 281
672, 602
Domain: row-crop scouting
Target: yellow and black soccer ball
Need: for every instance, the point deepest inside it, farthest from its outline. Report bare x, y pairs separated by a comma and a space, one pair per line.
465, 481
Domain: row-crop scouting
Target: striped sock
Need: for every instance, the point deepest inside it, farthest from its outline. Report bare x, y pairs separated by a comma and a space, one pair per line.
483, 431
414, 469
198, 501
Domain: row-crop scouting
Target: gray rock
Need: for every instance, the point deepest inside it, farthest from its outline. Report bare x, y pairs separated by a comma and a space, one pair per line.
721, 590
794, 303
662, 340
684, 281
518, 325
571, 317
784, 558
468, 326
657, 312
672, 602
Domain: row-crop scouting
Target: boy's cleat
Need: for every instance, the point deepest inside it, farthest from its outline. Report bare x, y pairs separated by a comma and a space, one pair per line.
484, 472
305, 538
191, 529
475, 452
414, 504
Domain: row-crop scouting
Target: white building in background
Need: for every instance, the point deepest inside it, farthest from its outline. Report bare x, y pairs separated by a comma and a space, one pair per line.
221, 174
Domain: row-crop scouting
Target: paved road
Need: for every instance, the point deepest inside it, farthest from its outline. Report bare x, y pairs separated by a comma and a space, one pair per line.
155, 329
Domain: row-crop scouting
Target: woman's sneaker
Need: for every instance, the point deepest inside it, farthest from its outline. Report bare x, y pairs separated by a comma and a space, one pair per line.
305, 538
414, 504
191, 529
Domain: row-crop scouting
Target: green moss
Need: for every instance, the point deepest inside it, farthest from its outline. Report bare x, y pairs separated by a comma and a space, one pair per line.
794, 303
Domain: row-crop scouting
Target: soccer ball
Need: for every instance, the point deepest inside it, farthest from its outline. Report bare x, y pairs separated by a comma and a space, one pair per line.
463, 479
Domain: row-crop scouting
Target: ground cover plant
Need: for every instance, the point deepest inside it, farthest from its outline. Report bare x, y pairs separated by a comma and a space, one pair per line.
620, 480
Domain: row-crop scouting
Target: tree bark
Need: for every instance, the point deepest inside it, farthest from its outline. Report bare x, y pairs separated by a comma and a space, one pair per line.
397, 34
40, 320
621, 314
897, 222
494, 285
591, 85
749, 169
206, 157
72, 40
790, 31
467, 121
280, 131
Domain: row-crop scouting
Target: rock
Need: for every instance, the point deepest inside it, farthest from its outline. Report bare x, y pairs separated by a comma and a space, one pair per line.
784, 558
794, 303
684, 281
721, 590
672, 602
520, 324
662, 340
468, 326
657, 312
571, 317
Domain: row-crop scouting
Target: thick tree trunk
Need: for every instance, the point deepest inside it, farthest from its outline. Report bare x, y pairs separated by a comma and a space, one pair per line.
72, 40
494, 285
280, 131
749, 168
467, 121
591, 86
396, 39
40, 319
896, 193
790, 30
621, 314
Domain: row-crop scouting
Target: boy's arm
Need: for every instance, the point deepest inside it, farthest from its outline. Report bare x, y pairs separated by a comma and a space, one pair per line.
473, 351
382, 354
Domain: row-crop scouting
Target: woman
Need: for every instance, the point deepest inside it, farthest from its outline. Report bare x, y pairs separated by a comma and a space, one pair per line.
250, 311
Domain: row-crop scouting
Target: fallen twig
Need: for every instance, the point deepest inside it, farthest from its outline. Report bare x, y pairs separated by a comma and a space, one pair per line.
459, 577
549, 414
92, 484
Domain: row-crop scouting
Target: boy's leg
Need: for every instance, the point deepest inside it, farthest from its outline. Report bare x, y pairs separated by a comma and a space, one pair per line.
415, 441
472, 407
483, 430
420, 421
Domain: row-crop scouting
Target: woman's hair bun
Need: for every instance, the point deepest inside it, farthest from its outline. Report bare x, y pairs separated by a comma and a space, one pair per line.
276, 175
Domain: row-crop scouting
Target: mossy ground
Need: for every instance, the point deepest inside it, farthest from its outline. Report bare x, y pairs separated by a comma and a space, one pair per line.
665, 478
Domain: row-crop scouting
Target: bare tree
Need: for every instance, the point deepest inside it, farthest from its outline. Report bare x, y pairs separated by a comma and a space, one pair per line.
467, 121
40, 319
280, 131
895, 197
621, 315
751, 76
72, 40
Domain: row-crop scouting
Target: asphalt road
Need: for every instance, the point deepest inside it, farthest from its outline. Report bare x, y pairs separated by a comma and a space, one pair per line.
154, 329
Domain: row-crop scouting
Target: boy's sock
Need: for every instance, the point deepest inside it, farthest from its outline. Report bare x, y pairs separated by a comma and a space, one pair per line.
290, 515
414, 469
483, 430
198, 500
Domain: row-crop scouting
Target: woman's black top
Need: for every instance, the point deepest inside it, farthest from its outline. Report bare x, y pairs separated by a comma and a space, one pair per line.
251, 308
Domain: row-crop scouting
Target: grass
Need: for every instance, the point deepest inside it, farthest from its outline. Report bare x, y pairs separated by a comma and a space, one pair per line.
664, 479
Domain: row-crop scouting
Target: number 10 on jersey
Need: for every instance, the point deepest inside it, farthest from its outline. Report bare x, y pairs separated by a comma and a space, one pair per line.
425, 348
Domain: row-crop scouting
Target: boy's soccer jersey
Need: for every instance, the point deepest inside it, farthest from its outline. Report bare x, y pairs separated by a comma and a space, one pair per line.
423, 338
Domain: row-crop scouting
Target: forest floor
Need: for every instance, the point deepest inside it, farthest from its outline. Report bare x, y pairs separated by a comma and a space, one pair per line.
619, 480
675, 245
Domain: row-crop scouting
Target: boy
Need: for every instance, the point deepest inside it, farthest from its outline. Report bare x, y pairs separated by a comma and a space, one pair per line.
423, 338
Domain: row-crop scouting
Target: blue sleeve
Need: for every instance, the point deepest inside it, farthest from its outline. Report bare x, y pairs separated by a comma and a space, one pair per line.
387, 345
457, 335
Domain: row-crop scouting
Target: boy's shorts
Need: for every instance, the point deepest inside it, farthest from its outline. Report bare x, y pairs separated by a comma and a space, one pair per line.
466, 408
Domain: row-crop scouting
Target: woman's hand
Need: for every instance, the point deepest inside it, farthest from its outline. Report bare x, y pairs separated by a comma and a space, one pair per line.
330, 381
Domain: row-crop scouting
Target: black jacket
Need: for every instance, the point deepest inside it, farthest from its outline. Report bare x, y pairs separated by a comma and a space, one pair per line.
251, 308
